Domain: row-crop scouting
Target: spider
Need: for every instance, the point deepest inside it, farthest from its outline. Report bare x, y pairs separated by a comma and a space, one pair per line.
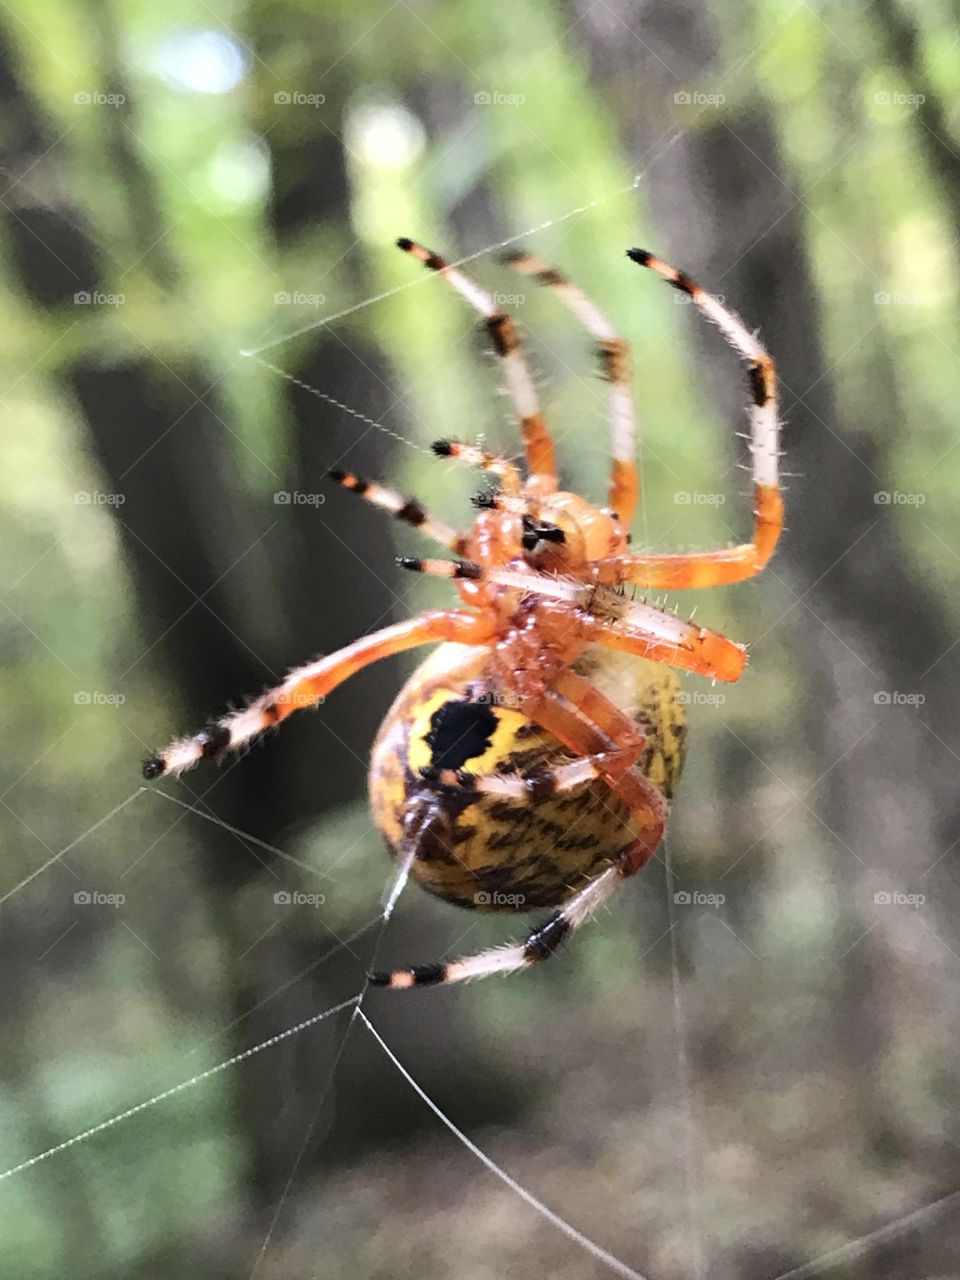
530, 760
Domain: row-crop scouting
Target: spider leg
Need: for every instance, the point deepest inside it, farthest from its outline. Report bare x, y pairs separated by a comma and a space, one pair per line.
409, 510
307, 685
616, 756
663, 637
473, 456
732, 564
615, 364
441, 568
544, 782
538, 945
602, 616
537, 442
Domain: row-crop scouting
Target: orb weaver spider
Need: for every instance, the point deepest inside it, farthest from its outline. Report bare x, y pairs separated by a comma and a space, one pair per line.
529, 762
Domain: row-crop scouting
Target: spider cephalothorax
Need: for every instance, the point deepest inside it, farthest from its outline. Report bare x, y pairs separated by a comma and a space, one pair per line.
530, 760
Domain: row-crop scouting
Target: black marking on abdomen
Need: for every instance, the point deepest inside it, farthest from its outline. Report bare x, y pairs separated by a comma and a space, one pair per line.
459, 731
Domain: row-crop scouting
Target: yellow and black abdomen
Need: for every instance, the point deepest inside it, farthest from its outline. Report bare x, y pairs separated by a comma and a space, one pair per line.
488, 852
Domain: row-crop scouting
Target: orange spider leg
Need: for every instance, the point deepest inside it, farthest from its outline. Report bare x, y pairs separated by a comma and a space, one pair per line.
409, 510
697, 649
598, 615
733, 564
621, 775
306, 686
473, 456
541, 461
704, 568
615, 364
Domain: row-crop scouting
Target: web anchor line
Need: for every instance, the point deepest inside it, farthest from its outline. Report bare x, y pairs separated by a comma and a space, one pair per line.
326, 321
157, 1098
595, 1250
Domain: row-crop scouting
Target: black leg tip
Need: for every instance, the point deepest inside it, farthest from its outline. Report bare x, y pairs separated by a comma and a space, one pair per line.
442, 448
337, 475
405, 244
153, 768
640, 256
410, 562
378, 979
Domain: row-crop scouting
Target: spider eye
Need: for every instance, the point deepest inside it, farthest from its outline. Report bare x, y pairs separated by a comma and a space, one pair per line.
536, 533
551, 533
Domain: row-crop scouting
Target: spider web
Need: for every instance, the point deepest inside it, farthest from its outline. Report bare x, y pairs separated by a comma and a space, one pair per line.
354, 1006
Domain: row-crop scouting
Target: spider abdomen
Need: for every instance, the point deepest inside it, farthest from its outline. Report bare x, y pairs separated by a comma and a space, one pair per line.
509, 853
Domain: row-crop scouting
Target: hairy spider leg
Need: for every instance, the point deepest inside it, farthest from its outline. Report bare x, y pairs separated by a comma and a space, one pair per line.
408, 510
305, 686
606, 618
614, 355
541, 460
731, 564
472, 455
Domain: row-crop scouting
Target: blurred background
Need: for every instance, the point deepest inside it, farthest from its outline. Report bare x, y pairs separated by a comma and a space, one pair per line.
749, 1060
